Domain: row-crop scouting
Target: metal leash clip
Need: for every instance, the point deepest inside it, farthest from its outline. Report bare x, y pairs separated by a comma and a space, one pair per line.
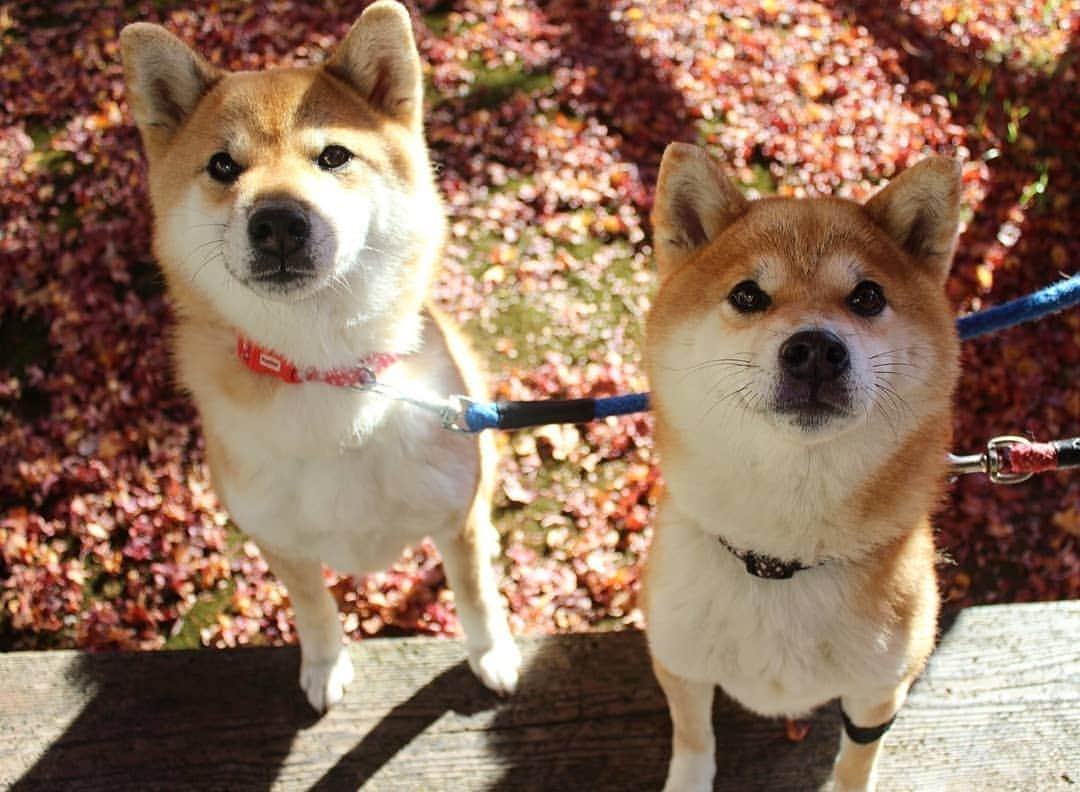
370, 383
993, 457
990, 461
454, 413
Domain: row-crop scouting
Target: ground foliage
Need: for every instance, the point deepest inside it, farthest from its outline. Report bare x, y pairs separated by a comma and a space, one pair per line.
547, 121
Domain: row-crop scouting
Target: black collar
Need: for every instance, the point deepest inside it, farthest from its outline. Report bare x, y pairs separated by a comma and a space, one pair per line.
764, 566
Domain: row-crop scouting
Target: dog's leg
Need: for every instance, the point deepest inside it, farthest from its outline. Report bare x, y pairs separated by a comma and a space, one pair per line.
856, 764
467, 556
325, 667
693, 746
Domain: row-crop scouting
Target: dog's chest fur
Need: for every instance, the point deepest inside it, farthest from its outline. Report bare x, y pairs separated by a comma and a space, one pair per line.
780, 647
347, 478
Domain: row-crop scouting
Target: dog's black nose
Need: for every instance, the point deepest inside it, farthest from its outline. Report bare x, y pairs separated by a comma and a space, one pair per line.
278, 230
816, 355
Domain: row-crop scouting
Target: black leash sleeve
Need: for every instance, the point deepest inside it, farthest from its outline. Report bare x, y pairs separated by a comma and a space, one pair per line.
1068, 452
864, 735
520, 414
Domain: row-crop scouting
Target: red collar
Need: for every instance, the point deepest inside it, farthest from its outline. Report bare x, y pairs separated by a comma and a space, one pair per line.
264, 361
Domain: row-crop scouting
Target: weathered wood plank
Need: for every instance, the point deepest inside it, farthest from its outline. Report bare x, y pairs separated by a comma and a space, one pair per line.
998, 708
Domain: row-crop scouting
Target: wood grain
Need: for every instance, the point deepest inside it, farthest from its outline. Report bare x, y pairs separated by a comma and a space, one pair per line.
998, 709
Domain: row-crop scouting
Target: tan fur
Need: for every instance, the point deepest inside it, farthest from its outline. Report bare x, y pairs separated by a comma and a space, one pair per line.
320, 474
849, 497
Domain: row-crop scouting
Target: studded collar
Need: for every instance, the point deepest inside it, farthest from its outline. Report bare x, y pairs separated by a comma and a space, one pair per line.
764, 566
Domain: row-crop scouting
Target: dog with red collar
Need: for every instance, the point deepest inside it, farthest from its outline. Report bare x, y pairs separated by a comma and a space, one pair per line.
298, 226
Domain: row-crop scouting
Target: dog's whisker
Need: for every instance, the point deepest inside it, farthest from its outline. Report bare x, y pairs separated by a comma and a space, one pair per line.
895, 394
899, 350
718, 364
738, 360
195, 250
896, 403
893, 362
728, 395
392, 256
721, 384
216, 254
888, 419
905, 374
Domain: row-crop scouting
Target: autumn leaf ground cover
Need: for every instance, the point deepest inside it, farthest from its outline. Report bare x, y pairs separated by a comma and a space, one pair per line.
547, 121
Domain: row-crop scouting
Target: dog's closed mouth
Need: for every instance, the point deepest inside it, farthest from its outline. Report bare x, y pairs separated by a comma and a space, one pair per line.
285, 275
280, 277
812, 406
812, 414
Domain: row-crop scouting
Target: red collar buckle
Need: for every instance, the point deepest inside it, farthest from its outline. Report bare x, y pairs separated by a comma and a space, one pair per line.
263, 361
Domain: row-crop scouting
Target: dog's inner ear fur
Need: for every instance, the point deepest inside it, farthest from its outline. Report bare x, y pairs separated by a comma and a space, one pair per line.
695, 201
165, 79
378, 59
920, 210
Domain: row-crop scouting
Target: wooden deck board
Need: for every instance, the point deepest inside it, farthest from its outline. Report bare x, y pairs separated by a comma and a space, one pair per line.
998, 708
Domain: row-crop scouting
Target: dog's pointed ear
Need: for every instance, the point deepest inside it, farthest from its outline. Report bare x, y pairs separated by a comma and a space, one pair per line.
378, 58
695, 201
165, 79
920, 210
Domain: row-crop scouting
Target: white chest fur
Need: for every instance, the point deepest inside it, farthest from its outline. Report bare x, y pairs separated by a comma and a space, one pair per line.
343, 477
779, 647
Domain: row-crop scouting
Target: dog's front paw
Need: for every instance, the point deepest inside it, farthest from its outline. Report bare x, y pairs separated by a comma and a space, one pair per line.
497, 666
691, 772
324, 681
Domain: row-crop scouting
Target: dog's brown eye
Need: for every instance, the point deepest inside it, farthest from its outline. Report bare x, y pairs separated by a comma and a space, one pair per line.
867, 299
333, 157
747, 297
223, 168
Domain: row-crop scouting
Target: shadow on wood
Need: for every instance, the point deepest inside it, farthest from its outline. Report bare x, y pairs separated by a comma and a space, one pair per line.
597, 720
455, 690
180, 720
997, 708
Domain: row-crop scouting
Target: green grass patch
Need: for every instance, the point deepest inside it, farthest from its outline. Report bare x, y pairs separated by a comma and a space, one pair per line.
519, 320
438, 22
525, 522
763, 180
186, 633
492, 87
1035, 191
208, 606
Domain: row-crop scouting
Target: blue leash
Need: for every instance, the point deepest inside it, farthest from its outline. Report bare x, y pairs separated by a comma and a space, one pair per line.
1055, 297
478, 416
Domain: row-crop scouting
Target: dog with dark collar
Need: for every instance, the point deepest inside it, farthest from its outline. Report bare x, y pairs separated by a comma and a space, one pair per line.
802, 356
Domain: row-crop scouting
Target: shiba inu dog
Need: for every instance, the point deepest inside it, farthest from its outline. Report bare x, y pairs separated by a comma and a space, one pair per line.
802, 356
299, 227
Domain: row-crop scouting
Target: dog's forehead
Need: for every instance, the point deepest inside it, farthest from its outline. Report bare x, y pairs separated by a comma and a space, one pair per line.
809, 234
274, 105
817, 242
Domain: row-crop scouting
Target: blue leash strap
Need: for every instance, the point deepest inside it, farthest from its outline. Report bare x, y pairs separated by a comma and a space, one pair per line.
1055, 297
520, 414
478, 416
